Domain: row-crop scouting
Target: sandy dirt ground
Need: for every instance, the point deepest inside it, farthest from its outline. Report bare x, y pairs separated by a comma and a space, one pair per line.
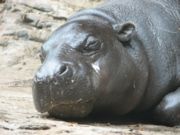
24, 26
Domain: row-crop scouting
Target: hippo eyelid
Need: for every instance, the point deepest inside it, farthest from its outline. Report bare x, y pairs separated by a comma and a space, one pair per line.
93, 45
91, 48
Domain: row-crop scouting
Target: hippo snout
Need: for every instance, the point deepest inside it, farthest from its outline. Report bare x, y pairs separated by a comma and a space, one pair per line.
43, 76
48, 84
62, 90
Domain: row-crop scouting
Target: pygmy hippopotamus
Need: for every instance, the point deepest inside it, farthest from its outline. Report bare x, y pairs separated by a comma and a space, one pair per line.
121, 57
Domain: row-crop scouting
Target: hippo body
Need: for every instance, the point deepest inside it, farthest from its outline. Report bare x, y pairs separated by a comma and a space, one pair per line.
121, 57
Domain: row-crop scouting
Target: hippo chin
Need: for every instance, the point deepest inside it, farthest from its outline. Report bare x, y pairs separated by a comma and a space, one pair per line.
122, 57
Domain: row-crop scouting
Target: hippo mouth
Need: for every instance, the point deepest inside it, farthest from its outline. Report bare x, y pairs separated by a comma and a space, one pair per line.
58, 106
71, 110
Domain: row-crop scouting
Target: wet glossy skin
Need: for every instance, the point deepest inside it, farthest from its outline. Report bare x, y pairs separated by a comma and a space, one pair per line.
101, 61
72, 61
75, 74
74, 77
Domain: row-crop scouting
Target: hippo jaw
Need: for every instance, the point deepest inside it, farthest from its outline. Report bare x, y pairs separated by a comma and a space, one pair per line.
71, 110
61, 107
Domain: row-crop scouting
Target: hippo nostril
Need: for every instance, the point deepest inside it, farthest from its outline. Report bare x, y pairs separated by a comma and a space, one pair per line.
38, 80
62, 69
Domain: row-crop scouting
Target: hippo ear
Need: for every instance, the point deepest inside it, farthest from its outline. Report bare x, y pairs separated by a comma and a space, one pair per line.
125, 31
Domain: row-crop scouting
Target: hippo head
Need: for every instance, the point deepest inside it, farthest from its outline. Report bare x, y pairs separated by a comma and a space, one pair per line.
79, 62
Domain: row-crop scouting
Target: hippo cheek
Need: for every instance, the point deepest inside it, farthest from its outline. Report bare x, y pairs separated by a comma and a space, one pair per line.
64, 98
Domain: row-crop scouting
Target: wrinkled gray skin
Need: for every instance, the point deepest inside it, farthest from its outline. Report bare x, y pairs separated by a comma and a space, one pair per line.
121, 57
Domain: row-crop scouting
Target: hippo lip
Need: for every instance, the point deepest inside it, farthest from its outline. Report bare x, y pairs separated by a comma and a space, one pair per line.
71, 103
52, 105
71, 109
46, 100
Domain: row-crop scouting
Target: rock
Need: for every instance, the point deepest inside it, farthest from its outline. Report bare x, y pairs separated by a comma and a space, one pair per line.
60, 15
43, 24
23, 34
39, 36
2, 1
38, 6
39, 21
9, 33
30, 18
39, 126
43, 7
4, 43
